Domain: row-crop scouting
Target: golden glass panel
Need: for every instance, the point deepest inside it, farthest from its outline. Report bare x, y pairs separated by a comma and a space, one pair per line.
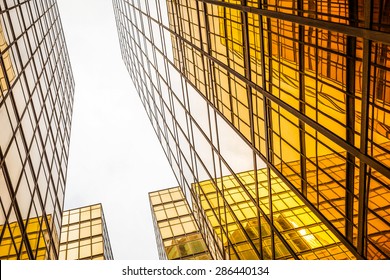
97, 248
85, 215
85, 224
85, 232
173, 221
155, 200
163, 224
176, 195
73, 218
160, 215
73, 227
85, 209
96, 222
85, 251
62, 255
171, 213
96, 213
96, 229
73, 234
96, 239
166, 232
189, 227
165, 197
85, 242
177, 229
182, 210
73, 254
73, 244
74, 212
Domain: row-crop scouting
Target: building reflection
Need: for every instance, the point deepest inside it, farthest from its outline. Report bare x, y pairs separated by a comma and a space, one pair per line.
303, 87
13, 248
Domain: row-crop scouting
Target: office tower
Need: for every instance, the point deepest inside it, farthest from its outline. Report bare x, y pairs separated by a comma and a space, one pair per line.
35, 117
177, 234
295, 93
84, 235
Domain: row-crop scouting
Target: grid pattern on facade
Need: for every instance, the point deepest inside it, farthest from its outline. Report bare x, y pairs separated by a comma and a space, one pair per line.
302, 84
177, 234
37, 235
84, 235
35, 117
297, 231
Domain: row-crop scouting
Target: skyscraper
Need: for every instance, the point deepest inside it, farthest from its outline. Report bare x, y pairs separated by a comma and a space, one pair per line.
292, 93
84, 235
177, 234
36, 102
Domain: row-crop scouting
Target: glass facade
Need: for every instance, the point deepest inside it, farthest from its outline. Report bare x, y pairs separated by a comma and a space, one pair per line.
238, 226
37, 235
84, 235
293, 92
36, 103
177, 234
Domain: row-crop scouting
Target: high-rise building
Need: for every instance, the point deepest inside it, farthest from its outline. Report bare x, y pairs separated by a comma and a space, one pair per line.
177, 234
36, 101
294, 94
84, 235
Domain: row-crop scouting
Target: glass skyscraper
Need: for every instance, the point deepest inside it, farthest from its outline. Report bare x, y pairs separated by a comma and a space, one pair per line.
84, 235
36, 103
177, 234
284, 103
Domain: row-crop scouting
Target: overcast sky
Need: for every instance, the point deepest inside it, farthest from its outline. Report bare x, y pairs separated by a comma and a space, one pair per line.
115, 157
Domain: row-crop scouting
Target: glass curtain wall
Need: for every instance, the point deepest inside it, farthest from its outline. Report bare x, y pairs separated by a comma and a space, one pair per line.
177, 234
84, 235
36, 97
296, 89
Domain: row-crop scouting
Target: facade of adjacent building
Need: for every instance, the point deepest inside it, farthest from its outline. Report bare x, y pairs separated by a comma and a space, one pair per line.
36, 100
294, 94
84, 235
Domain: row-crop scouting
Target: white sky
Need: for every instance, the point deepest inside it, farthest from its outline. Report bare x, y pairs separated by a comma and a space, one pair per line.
115, 157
